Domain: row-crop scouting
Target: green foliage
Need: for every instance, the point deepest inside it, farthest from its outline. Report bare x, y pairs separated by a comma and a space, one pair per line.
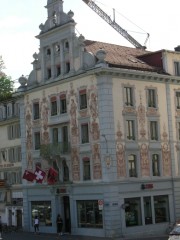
6, 87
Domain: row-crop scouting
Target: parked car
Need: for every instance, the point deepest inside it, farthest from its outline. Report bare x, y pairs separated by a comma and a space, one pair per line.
175, 233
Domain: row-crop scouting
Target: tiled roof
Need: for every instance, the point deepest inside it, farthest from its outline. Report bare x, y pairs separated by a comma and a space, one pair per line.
120, 56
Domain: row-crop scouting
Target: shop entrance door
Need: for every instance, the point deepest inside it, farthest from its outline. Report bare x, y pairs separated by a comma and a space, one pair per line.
19, 218
67, 214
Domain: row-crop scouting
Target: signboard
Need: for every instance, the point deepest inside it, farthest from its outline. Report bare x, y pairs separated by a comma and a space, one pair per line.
147, 186
100, 204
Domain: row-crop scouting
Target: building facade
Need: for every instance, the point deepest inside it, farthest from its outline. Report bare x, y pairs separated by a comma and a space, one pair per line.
106, 118
11, 197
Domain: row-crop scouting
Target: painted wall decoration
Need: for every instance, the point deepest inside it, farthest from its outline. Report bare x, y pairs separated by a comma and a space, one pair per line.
29, 144
75, 164
142, 120
166, 154
44, 120
93, 105
120, 154
97, 172
145, 165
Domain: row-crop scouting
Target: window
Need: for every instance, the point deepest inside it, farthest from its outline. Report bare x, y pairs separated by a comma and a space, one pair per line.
55, 135
63, 104
154, 130
155, 165
37, 140
57, 48
133, 212
83, 99
3, 155
177, 68
66, 45
11, 155
67, 67
48, 51
86, 169
161, 209
151, 98
65, 144
128, 94
58, 71
89, 215
13, 131
48, 73
130, 129
147, 210
178, 100
42, 209
84, 133
36, 110
53, 106
178, 130
132, 166
65, 172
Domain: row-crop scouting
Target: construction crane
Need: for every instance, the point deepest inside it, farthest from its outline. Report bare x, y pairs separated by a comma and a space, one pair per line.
113, 24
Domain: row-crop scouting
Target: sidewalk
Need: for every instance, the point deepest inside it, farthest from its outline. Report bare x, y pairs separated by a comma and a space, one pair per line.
49, 236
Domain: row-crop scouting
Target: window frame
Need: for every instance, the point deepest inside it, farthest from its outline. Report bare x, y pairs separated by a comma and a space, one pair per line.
132, 165
130, 129
86, 168
54, 106
176, 68
155, 165
83, 99
37, 140
154, 130
151, 98
84, 133
63, 104
128, 96
36, 111
178, 100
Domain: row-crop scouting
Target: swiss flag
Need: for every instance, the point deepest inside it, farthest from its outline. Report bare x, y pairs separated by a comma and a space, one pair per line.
52, 176
39, 175
29, 176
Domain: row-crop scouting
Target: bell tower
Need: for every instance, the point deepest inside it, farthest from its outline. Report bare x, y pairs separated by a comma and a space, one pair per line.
54, 10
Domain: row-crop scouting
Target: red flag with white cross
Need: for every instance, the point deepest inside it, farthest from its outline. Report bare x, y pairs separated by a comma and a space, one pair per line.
40, 175
29, 176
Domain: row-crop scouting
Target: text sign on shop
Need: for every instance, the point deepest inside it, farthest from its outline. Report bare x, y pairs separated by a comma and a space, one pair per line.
100, 204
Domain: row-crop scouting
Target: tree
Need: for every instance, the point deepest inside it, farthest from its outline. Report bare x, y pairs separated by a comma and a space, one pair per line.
6, 84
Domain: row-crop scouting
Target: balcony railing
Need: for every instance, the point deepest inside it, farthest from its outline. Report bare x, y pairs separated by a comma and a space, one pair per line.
48, 151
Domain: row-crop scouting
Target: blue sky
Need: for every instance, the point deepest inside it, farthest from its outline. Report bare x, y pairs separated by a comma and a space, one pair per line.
20, 20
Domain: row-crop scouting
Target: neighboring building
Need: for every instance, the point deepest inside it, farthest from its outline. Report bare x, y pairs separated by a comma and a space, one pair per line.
11, 197
106, 117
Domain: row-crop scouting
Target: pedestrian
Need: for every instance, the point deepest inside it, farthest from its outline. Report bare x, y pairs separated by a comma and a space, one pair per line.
36, 225
59, 223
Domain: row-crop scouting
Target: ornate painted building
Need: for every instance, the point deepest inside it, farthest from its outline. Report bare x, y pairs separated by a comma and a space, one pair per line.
106, 118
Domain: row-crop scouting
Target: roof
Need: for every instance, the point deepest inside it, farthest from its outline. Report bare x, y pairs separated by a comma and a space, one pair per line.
120, 56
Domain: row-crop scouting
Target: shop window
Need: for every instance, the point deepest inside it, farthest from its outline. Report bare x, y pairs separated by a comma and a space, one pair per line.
161, 208
63, 104
133, 212
177, 100
128, 95
155, 165
130, 129
151, 94
132, 166
83, 99
36, 110
86, 169
37, 140
84, 133
147, 210
89, 215
53, 106
154, 130
41, 209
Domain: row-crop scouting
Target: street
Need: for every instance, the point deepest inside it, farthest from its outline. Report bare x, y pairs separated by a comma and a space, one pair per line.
48, 236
